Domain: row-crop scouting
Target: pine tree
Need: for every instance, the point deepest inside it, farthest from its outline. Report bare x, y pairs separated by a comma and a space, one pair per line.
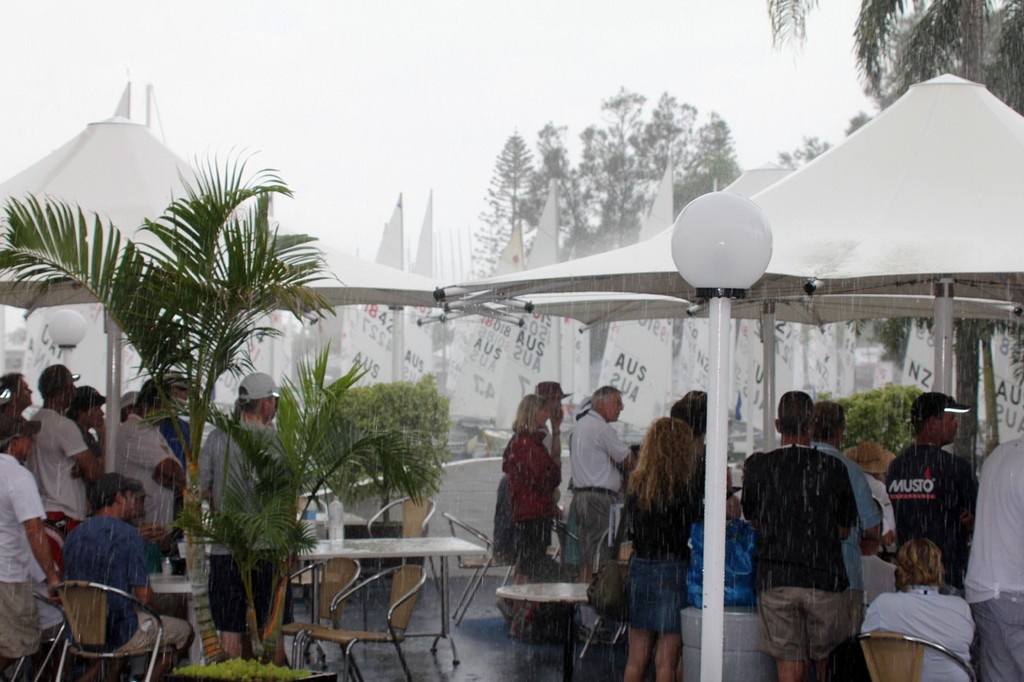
508, 203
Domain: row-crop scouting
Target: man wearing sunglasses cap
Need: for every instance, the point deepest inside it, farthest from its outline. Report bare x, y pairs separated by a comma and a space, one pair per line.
932, 490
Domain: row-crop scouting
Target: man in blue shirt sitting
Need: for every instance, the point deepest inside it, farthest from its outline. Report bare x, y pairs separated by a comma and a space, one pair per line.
107, 548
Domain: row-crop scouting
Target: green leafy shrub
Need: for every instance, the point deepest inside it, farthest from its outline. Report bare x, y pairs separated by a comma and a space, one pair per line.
239, 670
416, 410
882, 414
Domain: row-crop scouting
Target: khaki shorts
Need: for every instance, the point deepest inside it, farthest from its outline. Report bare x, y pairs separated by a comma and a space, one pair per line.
797, 622
588, 514
177, 634
19, 625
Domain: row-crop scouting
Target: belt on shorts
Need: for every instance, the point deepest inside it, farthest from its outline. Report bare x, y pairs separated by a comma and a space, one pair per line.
663, 556
606, 491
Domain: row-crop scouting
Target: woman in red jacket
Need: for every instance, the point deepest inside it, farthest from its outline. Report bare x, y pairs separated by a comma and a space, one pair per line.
533, 478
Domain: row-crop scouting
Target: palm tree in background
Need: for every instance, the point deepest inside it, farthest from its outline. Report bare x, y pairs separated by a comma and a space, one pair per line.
188, 293
899, 43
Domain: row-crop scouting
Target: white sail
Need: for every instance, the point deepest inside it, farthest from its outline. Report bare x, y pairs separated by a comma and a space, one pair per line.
511, 259
532, 358
661, 215
637, 359
544, 250
391, 250
919, 361
478, 387
424, 264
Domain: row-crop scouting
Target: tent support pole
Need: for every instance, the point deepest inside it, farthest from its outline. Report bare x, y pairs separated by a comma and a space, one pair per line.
113, 388
768, 372
943, 291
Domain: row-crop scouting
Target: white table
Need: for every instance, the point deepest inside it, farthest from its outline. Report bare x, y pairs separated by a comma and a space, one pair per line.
559, 593
180, 584
404, 548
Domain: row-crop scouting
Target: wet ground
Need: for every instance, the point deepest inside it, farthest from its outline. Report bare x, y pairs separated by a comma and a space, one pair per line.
486, 651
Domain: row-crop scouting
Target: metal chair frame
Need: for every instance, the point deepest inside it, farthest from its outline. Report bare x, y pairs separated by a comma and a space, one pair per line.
892, 656
479, 565
403, 601
85, 616
335, 576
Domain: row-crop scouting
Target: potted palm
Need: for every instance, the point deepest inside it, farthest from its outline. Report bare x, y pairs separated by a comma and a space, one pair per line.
258, 519
189, 293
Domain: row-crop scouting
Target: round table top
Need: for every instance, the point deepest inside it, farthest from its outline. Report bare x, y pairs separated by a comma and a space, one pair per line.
567, 593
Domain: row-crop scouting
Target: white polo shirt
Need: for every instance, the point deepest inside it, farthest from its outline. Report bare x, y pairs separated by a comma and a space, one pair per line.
997, 552
19, 502
594, 450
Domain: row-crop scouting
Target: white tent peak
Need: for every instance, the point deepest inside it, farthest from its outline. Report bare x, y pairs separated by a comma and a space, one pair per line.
117, 120
946, 79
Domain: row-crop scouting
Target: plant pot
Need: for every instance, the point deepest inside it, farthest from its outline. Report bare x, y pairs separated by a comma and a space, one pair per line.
311, 677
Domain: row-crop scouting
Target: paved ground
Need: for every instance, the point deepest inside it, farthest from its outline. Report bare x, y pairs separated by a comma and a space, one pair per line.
486, 651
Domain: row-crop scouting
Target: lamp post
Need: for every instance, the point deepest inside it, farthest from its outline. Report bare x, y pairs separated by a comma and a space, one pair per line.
721, 245
67, 329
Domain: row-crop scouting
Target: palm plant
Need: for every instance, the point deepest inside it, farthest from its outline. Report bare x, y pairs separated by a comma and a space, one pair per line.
258, 519
188, 292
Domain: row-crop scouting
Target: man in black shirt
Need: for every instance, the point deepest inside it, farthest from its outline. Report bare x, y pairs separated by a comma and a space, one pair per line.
933, 491
801, 503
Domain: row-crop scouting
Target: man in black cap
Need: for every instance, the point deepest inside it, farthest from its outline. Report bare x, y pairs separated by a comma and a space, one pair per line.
61, 462
933, 491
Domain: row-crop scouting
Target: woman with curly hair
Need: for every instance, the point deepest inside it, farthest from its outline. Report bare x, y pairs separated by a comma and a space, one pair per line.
533, 477
664, 498
920, 610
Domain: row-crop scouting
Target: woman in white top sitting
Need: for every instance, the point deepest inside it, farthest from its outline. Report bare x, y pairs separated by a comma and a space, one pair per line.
920, 611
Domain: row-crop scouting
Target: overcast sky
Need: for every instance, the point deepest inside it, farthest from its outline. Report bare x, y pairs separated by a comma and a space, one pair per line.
354, 102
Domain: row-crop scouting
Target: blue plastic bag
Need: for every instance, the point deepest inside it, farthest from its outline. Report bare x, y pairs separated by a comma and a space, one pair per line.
740, 538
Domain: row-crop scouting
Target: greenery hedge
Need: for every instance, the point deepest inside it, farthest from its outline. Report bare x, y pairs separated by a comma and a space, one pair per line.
418, 411
882, 414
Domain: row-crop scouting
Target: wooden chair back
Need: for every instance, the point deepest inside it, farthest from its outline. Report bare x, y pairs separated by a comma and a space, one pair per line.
85, 611
405, 583
897, 657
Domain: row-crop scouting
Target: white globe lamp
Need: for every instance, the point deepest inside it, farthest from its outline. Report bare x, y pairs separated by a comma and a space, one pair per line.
721, 245
67, 329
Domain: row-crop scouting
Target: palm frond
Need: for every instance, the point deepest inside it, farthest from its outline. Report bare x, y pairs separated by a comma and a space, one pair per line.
789, 20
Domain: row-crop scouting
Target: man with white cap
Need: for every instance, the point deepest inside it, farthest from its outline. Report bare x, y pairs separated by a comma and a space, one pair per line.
221, 458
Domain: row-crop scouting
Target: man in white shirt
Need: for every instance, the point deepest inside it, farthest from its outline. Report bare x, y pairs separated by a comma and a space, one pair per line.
995, 573
598, 458
61, 461
22, 538
142, 453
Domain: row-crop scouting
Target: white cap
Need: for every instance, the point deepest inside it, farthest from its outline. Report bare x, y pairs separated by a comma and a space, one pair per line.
129, 398
257, 386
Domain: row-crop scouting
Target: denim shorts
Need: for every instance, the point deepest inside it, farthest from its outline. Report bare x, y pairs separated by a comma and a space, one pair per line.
657, 594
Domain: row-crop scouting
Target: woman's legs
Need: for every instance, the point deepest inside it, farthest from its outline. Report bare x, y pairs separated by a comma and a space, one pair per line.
666, 657
640, 643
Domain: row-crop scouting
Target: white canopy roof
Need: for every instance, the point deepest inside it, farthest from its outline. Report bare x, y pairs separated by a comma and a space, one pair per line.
926, 190
119, 170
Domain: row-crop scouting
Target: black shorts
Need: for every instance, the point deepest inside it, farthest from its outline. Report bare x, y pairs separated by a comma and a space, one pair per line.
227, 594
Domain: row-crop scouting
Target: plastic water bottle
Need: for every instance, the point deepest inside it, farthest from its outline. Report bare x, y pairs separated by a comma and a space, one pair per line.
336, 521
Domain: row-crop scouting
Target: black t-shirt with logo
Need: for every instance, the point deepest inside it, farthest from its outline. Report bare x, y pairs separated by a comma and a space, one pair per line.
930, 489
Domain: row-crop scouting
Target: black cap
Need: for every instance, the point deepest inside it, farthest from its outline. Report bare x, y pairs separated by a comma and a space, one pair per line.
932, 404
108, 486
85, 397
54, 378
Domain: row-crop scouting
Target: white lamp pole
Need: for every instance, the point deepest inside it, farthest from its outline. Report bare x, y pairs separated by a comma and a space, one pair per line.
721, 245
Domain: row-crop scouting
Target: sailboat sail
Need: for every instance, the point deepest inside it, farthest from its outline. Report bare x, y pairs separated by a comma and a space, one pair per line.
424, 264
511, 259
